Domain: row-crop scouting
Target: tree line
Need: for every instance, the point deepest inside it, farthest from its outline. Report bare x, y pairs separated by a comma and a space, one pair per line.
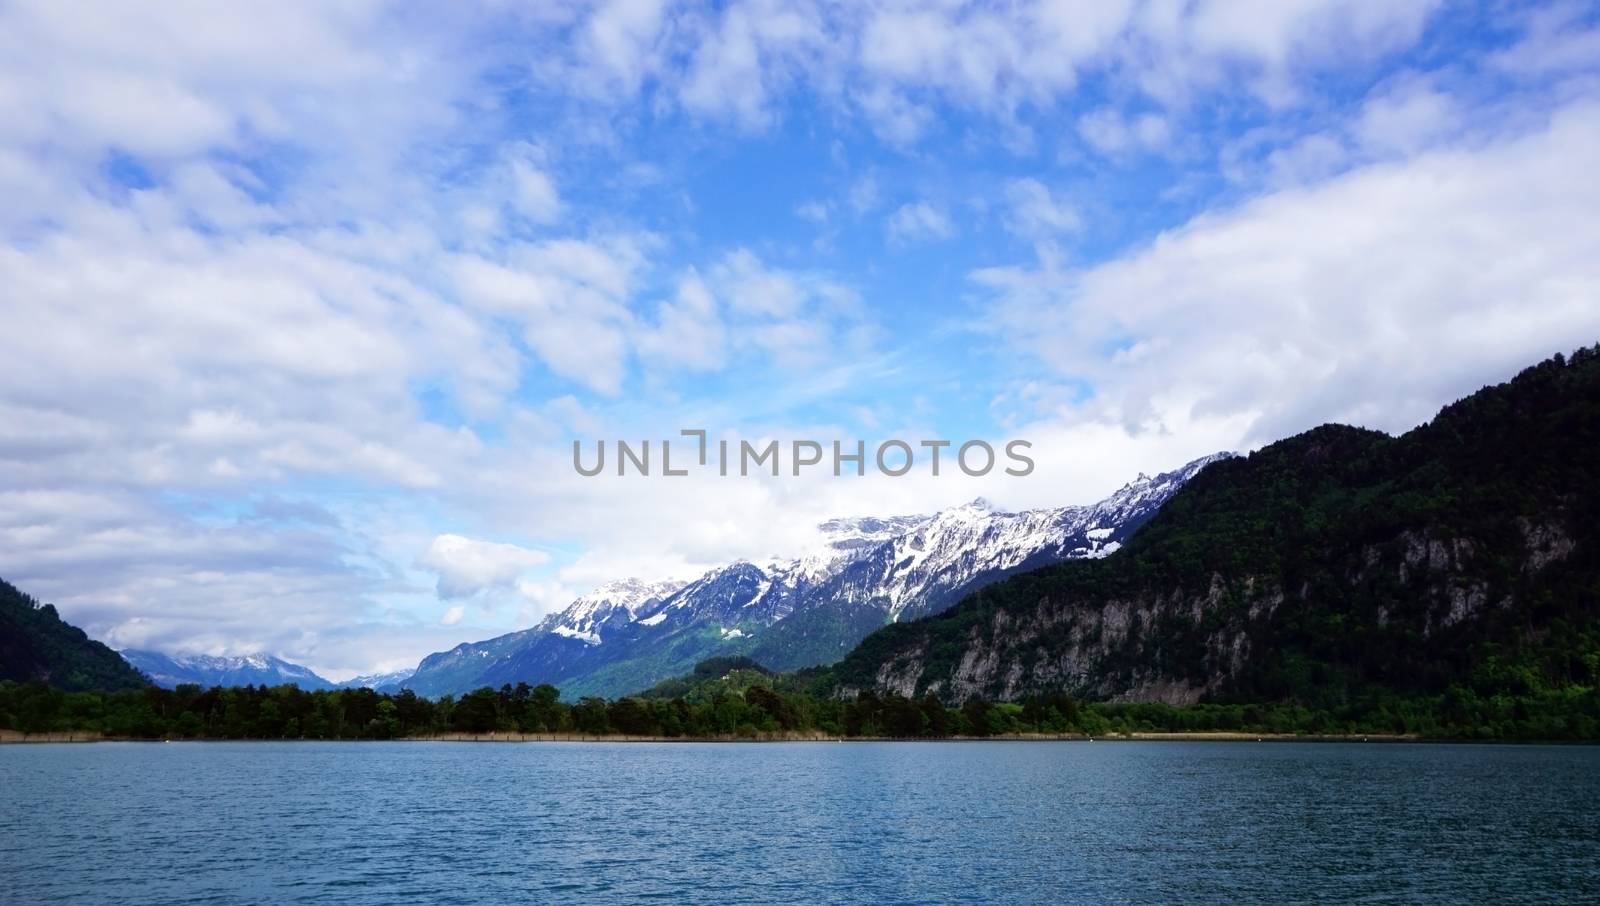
288, 712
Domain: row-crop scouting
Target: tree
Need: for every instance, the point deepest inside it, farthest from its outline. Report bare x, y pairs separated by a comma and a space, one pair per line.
976, 712
542, 711
773, 705
590, 716
935, 718
476, 712
388, 720
632, 716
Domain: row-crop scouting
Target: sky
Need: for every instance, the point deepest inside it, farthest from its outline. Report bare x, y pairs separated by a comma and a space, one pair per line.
302, 306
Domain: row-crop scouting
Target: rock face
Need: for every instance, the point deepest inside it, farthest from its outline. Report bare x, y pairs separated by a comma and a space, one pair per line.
1336, 563
170, 671
932, 566
791, 613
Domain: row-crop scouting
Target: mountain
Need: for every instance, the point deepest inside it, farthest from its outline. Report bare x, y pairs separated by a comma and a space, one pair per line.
790, 613
376, 681
36, 644
930, 568
1461, 556
170, 671
541, 651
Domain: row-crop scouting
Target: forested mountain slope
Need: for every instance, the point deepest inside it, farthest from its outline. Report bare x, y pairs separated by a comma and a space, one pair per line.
36, 644
1337, 563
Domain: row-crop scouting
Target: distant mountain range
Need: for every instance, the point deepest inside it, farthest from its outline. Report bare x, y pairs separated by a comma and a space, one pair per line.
792, 613
36, 644
171, 671
1339, 566
1334, 569
375, 680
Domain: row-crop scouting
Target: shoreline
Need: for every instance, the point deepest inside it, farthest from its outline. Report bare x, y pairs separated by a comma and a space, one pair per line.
14, 737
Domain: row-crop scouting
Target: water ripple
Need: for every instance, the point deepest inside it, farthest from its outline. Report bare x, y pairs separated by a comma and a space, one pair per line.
369, 823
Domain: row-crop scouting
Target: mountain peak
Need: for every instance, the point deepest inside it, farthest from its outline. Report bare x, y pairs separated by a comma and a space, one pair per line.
259, 669
855, 574
976, 508
627, 593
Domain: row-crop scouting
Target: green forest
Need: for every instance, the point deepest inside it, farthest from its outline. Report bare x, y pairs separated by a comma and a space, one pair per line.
755, 711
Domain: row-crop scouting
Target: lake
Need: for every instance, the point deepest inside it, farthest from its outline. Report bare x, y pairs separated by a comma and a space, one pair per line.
860, 822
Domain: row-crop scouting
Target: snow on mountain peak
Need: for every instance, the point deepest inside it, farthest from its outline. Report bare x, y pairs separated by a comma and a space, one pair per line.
614, 603
222, 670
838, 541
855, 573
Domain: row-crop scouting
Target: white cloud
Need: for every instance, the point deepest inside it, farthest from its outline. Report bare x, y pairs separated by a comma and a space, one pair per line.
568, 297
619, 44
894, 118
918, 221
1036, 213
791, 319
1400, 117
466, 566
751, 51
284, 576
883, 60
1406, 116
864, 194
1275, 32
1110, 133
1556, 40
541, 599
689, 332
753, 288
814, 211
1487, 251
1280, 41
535, 195
174, 84
453, 615
1311, 158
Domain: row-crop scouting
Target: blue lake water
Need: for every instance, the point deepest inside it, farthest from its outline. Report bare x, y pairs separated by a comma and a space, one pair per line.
798, 823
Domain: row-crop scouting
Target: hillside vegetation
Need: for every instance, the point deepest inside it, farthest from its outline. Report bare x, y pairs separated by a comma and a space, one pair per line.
1334, 567
36, 644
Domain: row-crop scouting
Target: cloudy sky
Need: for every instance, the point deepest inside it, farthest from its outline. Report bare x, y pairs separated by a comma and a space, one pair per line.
304, 305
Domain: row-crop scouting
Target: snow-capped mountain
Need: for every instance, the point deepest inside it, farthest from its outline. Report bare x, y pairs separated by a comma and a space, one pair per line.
541, 652
611, 605
790, 613
206, 670
944, 558
923, 571
376, 681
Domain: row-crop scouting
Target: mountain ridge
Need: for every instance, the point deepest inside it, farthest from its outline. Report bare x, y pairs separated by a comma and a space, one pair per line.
1333, 564
172, 670
796, 612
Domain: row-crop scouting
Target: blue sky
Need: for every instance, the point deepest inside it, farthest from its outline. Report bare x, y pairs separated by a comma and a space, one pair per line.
306, 305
